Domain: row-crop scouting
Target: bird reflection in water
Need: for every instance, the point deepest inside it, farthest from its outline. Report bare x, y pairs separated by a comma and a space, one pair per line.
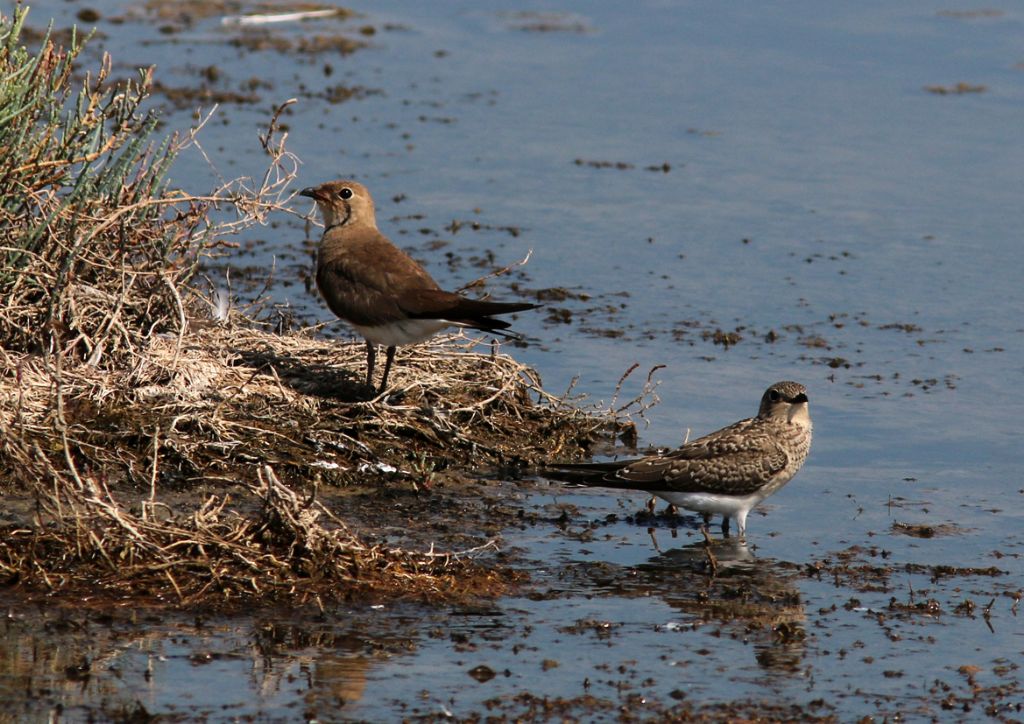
724, 584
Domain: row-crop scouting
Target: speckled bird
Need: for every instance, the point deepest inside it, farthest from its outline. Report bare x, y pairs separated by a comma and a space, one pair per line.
727, 472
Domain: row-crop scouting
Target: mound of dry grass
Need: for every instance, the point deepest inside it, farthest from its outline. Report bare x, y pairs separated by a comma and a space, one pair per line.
94, 455
146, 451
221, 400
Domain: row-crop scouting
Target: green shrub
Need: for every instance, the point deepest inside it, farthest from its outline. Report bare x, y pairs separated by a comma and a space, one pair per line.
93, 246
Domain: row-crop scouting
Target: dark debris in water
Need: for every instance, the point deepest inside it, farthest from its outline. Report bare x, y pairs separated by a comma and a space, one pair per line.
958, 89
532, 21
192, 96
663, 167
526, 706
874, 570
923, 530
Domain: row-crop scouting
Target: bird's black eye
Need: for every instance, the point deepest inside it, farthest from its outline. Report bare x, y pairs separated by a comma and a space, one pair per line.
774, 396
345, 193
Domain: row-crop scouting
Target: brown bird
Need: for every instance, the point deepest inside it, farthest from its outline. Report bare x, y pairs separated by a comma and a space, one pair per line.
728, 471
382, 292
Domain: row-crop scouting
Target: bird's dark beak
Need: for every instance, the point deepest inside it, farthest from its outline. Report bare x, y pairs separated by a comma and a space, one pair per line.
310, 191
802, 397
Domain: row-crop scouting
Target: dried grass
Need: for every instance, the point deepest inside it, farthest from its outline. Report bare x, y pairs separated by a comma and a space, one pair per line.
148, 452
272, 418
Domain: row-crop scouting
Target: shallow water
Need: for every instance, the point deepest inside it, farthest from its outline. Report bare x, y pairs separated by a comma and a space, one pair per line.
814, 188
626, 616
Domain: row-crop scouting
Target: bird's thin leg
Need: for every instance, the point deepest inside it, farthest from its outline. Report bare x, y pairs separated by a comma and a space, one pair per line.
371, 361
710, 554
650, 532
725, 526
387, 368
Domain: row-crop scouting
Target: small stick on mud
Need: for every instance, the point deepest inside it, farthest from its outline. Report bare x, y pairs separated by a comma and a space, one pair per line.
154, 471
497, 272
643, 401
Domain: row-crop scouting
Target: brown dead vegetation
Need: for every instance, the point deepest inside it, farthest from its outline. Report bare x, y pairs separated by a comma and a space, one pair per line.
94, 453
154, 446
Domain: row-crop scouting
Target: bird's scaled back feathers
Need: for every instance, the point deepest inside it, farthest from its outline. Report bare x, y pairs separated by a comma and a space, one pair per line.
738, 460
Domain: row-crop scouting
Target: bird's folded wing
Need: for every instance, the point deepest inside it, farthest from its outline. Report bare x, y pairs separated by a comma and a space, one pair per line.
357, 297
376, 293
722, 468
439, 304
432, 303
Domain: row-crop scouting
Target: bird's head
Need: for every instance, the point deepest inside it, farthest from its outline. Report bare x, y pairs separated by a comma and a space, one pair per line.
786, 401
343, 203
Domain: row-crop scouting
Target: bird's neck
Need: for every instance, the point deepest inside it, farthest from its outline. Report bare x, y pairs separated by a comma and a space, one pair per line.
342, 239
801, 417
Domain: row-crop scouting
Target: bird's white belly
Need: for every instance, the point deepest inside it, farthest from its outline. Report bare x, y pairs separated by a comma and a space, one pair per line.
406, 331
728, 505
